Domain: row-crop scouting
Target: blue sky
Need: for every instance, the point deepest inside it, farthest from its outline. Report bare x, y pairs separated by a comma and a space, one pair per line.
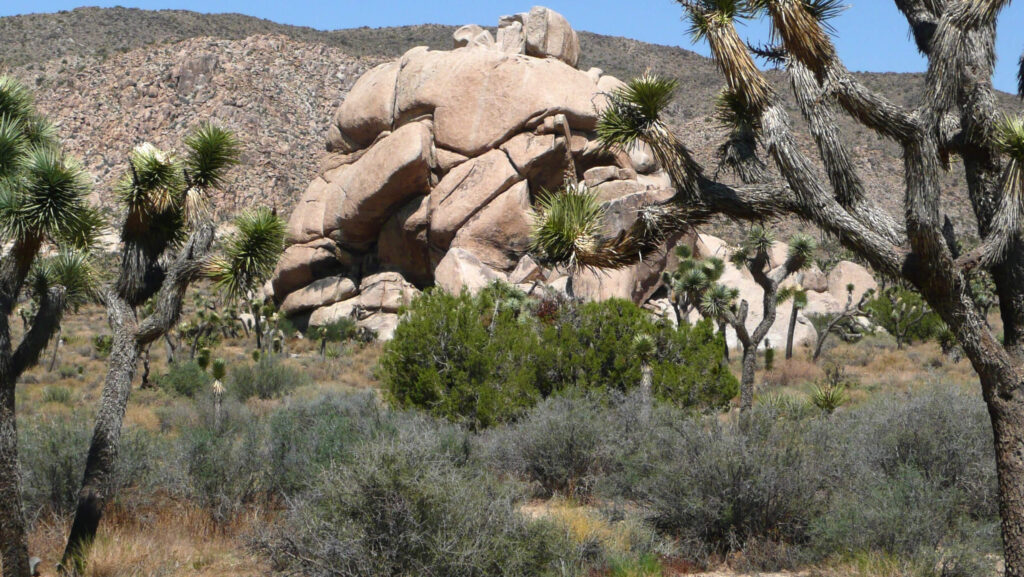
872, 33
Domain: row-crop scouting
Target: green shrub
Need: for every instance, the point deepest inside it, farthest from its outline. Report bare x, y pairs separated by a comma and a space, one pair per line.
486, 359
185, 378
268, 378
897, 310
463, 358
57, 394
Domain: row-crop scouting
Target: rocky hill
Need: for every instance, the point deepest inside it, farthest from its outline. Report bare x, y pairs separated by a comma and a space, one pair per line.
112, 78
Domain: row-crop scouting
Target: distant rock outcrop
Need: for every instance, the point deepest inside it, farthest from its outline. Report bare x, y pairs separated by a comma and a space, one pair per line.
434, 161
433, 164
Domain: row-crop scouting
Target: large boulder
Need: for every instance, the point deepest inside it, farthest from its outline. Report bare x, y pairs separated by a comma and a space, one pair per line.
548, 34
390, 174
319, 293
301, 264
461, 269
386, 291
368, 110
500, 233
466, 189
846, 273
480, 98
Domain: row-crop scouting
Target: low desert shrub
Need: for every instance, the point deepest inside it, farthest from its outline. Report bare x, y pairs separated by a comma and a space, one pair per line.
267, 378
559, 445
410, 505
57, 394
53, 451
186, 378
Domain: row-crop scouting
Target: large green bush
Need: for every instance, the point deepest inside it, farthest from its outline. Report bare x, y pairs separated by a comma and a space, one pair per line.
487, 358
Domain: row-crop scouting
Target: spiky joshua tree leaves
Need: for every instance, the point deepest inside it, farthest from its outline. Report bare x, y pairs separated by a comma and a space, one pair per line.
167, 234
958, 116
43, 207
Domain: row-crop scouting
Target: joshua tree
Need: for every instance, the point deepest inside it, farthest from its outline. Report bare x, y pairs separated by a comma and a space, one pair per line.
799, 296
901, 312
957, 115
166, 235
43, 204
719, 302
844, 322
645, 348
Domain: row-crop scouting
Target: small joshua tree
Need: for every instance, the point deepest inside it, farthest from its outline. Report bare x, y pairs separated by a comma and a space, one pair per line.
43, 205
167, 234
844, 323
753, 255
798, 295
645, 348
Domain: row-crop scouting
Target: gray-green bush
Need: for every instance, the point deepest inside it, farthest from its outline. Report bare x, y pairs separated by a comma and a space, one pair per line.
267, 378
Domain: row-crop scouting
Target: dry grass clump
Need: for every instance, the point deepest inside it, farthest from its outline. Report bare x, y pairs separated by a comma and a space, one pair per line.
792, 373
170, 538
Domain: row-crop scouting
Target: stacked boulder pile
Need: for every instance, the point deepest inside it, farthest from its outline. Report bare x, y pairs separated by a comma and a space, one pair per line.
433, 163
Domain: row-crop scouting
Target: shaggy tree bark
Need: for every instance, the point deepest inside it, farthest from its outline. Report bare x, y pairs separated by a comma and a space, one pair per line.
14, 362
957, 116
129, 338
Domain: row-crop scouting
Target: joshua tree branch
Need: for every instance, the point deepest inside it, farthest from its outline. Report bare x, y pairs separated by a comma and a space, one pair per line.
182, 272
44, 325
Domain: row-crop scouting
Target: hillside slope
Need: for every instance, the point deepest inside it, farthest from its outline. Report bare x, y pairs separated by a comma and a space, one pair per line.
112, 78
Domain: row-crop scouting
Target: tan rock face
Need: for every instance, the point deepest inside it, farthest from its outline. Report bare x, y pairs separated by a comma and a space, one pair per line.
386, 291
301, 264
369, 108
846, 273
386, 177
500, 233
461, 269
403, 244
465, 190
548, 34
319, 293
480, 98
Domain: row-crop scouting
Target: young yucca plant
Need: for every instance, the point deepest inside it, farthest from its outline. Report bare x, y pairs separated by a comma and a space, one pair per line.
567, 225
249, 256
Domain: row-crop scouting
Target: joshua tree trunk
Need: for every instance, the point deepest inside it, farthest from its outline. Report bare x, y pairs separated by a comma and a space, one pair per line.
747, 378
56, 349
99, 465
13, 535
646, 390
130, 337
792, 329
